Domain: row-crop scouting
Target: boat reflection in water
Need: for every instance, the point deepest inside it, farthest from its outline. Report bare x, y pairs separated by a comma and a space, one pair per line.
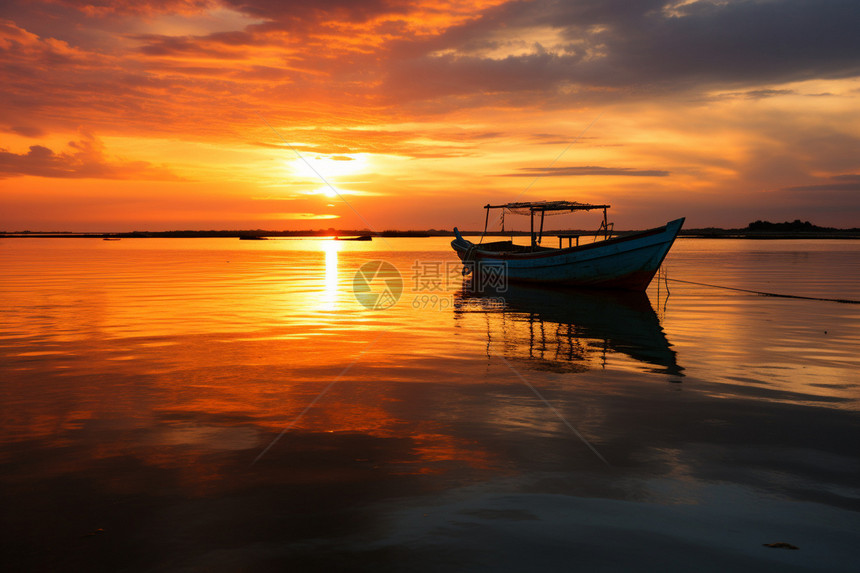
565, 330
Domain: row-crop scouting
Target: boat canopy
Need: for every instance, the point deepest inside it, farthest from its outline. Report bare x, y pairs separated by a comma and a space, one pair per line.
557, 207
545, 208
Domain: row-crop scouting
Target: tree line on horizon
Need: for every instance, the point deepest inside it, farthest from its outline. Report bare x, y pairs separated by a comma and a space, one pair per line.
788, 226
758, 226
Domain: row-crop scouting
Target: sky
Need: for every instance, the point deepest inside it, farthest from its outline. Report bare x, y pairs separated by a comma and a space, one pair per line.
386, 114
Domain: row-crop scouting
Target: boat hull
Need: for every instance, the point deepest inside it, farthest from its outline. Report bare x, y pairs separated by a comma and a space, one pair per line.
627, 263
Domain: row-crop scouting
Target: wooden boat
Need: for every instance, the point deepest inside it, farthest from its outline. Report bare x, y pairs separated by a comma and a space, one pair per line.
626, 262
252, 238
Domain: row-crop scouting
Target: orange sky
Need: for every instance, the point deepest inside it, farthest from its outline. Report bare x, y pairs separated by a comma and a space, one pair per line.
155, 115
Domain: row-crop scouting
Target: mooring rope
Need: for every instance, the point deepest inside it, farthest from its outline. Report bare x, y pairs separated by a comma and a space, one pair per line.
763, 293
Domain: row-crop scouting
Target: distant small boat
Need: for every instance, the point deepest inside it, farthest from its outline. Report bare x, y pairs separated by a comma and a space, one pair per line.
360, 238
111, 239
252, 238
628, 262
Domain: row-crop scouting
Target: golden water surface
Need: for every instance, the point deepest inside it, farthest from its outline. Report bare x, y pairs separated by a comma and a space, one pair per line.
192, 395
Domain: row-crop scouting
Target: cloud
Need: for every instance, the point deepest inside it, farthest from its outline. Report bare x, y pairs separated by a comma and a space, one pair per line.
847, 183
372, 57
26, 130
587, 170
435, 142
756, 94
297, 59
104, 8
442, 94
157, 45
614, 49
20, 48
85, 160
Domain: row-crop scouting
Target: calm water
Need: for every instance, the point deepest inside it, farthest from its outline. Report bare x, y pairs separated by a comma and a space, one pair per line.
225, 405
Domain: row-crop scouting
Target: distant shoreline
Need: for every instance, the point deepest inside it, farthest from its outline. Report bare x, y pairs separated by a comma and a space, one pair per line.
709, 233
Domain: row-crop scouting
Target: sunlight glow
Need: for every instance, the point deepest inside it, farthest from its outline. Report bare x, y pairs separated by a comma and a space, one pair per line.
328, 166
307, 216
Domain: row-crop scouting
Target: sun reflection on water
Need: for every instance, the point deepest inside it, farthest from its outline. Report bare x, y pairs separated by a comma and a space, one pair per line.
328, 298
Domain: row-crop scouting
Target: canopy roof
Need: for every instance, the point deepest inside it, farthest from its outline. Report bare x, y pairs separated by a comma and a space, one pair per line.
532, 206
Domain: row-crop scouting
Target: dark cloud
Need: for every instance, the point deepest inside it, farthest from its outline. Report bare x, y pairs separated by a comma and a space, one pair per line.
86, 160
751, 41
601, 50
612, 49
833, 200
587, 170
282, 11
758, 94
26, 130
104, 8
849, 183
154, 45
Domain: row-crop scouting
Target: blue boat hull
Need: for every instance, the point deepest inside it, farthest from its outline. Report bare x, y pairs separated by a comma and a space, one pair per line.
627, 263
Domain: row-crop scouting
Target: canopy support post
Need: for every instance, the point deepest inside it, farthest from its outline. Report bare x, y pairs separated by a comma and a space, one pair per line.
540, 234
486, 223
532, 213
605, 224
